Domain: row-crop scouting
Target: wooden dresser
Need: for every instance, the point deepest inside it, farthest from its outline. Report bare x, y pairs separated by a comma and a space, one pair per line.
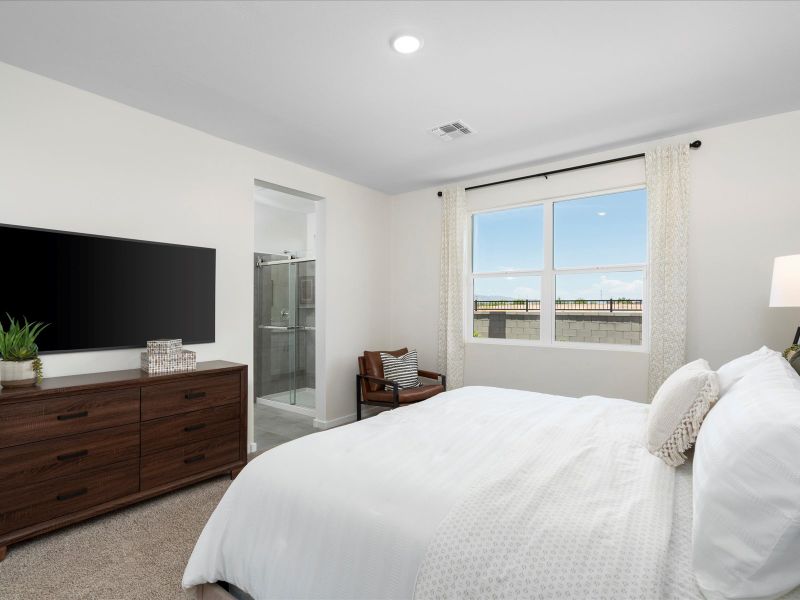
75, 447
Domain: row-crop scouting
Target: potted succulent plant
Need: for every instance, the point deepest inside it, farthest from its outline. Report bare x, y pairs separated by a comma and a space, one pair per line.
20, 365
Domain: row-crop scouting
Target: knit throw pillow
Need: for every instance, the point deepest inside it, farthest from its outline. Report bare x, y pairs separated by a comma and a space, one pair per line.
678, 410
402, 369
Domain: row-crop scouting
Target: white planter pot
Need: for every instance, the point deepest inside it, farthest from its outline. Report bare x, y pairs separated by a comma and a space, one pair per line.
17, 373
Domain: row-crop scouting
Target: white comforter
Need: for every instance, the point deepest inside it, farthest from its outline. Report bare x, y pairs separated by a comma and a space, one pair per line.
479, 491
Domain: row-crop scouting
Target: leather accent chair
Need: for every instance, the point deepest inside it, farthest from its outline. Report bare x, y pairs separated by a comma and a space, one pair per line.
370, 384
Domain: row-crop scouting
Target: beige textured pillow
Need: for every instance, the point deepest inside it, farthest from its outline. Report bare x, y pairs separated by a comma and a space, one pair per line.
678, 409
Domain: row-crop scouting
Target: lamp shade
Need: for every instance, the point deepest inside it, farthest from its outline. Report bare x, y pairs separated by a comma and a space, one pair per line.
785, 281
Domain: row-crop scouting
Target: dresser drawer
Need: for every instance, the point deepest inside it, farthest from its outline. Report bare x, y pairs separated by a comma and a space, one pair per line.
24, 422
196, 426
194, 393
172, 465
34, 504
68, 456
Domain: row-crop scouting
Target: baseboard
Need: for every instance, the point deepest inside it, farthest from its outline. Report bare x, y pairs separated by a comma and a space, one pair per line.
293, 408
320, 424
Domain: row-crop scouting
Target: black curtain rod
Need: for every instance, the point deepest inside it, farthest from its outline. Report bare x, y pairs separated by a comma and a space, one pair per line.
694, 144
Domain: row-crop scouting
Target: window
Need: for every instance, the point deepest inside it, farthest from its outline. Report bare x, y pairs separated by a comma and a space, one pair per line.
507, 263
564, 272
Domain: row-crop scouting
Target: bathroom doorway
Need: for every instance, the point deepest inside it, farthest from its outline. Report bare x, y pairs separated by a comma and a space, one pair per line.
285, 323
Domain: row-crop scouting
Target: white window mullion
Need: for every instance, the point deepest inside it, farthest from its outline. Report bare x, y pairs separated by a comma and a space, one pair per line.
604, 269
547, 313
507, 274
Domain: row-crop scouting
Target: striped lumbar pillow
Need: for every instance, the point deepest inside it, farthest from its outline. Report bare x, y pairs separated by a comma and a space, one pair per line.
402, 369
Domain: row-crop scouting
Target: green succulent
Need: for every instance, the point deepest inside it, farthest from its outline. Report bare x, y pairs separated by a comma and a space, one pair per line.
18, 342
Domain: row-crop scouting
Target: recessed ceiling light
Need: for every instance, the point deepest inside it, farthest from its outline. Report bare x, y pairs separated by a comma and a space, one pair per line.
406, 44
601, 214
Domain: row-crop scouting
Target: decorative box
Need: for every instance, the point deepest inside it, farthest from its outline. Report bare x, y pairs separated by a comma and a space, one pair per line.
184, 360
167, 356
156, 363
187, 360
167, 347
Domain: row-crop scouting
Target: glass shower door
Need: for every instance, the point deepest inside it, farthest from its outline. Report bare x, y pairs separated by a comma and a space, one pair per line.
276, 337
306, 335
285, 334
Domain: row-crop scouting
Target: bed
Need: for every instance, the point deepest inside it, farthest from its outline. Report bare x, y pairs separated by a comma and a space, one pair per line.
477, 492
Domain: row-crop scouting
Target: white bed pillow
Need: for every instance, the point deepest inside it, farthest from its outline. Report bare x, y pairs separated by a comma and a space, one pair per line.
733, 371
678, 409
746, 491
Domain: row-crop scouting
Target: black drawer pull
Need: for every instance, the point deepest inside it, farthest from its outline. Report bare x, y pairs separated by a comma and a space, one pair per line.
189, 428
195, 395
194, 459
72, 455
75, 415
73, 494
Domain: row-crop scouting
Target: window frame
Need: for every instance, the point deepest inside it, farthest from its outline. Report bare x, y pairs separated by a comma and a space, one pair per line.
548, 276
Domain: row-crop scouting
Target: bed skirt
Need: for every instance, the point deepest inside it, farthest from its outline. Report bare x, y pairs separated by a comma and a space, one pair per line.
214, 591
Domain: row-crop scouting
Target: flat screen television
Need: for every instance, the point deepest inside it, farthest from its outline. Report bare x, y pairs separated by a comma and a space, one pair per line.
100, 293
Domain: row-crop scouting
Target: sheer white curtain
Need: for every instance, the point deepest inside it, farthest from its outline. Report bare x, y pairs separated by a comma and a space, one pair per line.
667, 169
451, 286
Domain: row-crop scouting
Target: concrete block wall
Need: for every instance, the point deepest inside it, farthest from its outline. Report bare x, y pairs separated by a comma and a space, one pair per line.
602, 328
571, 326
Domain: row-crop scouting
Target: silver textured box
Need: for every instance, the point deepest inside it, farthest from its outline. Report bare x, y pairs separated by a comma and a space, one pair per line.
187, 360
164, 347
158, 363
183, 360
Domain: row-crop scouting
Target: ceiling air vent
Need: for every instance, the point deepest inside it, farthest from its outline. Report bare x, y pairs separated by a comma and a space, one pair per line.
452, 131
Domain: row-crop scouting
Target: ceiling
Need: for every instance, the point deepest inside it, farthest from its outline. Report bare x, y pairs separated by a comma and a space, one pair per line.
317, 82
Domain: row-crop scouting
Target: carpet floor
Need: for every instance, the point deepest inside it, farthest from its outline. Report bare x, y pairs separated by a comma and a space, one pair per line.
135, 553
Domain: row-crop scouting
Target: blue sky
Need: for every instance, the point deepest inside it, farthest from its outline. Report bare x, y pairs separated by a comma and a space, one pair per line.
604, 230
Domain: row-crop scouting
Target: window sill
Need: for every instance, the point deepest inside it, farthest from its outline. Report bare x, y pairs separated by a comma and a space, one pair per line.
638, 349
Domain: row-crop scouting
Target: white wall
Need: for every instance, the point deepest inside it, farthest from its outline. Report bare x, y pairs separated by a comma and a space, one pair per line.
72, 160
311, 234
281, 231
745, 211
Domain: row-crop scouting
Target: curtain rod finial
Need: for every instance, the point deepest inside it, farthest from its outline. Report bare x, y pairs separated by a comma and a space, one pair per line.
696, 144
439, 194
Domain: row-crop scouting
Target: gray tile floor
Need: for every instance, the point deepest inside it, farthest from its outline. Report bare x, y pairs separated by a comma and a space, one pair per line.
274, 426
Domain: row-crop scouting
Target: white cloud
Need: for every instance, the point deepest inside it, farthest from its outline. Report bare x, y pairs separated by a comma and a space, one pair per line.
525, 293
607, 287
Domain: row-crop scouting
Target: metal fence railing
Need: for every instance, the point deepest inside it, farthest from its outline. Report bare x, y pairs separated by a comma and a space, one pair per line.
609, 305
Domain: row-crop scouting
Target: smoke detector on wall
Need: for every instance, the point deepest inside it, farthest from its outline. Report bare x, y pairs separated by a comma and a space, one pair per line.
452, 131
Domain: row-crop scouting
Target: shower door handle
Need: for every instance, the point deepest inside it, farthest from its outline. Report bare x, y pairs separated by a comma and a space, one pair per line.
278, 327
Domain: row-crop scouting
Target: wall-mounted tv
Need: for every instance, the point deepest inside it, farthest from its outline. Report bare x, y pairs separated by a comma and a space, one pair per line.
101, 293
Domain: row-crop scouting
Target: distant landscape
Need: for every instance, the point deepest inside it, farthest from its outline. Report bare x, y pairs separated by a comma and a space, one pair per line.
482, 303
